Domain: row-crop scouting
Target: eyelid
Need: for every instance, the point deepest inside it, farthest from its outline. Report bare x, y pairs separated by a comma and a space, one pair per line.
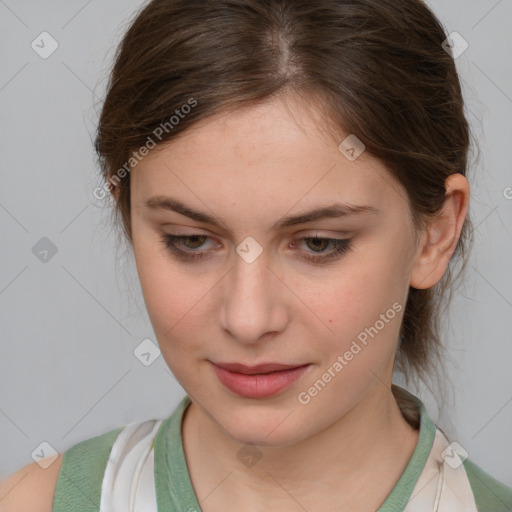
316, 233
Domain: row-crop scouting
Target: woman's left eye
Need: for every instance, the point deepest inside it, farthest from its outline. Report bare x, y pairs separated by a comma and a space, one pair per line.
195, 241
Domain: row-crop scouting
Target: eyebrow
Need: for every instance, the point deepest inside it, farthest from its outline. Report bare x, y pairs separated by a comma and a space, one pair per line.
333, 211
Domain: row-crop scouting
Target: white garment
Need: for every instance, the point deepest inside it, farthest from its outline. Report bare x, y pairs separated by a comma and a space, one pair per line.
440, 487
129, 480
129, 483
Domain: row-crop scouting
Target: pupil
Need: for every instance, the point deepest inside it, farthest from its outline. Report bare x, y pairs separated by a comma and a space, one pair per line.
317, 242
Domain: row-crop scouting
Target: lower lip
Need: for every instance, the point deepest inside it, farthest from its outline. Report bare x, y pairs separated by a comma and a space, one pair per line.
259, 385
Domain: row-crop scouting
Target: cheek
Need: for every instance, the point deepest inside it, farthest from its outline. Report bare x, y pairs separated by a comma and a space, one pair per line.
173, 304
170, 294
361, 303
364, 311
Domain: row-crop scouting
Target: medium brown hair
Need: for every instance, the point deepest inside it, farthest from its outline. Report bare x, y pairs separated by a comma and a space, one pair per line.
378, 68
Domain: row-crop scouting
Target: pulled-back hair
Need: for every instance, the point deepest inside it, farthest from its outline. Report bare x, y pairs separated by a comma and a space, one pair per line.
377, 67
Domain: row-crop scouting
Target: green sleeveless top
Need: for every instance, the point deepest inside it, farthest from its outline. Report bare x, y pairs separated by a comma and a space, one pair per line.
79, 483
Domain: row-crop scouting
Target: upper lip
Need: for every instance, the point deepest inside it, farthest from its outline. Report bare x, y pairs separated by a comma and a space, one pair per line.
259, 368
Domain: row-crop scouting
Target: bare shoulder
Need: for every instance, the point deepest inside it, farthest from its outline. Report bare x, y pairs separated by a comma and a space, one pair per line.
30, 489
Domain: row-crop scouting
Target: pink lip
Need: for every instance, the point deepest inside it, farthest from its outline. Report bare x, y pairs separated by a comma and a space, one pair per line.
247, 382
259, 368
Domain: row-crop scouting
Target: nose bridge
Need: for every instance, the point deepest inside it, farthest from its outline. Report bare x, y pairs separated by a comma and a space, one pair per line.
251, 305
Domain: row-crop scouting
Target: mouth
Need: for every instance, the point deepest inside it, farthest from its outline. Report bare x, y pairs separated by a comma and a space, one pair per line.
260, 381
262, 368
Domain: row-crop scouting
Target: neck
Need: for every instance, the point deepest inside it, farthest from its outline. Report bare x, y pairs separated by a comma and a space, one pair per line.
336, 460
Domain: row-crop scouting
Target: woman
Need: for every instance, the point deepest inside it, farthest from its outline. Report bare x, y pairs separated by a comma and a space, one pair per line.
291, 176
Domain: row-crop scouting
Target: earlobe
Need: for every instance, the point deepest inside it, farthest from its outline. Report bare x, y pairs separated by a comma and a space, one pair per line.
439, 240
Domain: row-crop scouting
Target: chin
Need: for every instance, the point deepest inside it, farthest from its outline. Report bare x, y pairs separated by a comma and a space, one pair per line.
272, 429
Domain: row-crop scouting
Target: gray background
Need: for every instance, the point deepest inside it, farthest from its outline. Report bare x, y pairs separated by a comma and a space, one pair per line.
70, 325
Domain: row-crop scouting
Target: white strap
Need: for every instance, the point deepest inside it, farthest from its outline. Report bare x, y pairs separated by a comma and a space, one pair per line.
441, 487
128, 483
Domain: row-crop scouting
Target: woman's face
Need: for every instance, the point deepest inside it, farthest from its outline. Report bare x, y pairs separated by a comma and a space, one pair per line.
253, 296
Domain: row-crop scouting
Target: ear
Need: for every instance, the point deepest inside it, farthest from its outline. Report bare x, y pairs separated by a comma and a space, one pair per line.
440, 237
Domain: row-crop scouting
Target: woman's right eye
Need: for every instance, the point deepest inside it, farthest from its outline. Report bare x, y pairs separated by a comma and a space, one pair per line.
171, 242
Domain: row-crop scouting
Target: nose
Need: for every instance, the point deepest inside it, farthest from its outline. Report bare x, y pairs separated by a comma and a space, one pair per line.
253, 302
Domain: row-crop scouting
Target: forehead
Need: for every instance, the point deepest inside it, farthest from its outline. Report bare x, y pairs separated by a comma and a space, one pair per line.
269, 157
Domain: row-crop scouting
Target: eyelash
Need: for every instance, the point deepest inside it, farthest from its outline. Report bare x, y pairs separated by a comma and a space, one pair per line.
341, 246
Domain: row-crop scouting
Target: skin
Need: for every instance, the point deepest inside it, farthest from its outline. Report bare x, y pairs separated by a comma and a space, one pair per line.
348, 446
31, 488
